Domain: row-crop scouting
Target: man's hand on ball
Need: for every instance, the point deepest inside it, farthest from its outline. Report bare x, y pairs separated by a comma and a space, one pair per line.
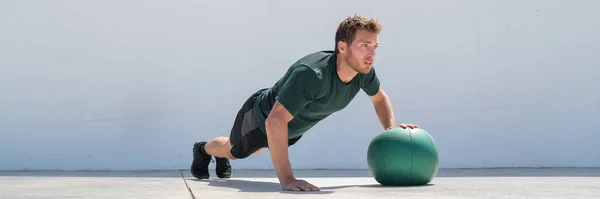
412, 126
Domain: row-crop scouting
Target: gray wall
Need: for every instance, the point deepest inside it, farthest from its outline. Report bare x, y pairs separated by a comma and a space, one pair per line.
132, 84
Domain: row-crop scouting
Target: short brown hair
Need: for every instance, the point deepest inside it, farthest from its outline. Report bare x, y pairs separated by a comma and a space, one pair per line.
346, 31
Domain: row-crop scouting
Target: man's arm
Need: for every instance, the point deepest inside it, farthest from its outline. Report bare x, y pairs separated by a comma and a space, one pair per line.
383, 108
297, 91
277, 138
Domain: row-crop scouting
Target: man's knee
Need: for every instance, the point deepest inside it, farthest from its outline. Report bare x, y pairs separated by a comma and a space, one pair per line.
231, 157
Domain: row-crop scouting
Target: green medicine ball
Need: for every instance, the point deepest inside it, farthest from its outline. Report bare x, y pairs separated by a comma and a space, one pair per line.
403, 157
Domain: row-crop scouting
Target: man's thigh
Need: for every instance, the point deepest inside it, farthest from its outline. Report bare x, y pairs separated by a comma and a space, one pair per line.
249, 143
245, 137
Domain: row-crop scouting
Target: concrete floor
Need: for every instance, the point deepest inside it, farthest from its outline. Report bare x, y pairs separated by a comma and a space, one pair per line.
246, 184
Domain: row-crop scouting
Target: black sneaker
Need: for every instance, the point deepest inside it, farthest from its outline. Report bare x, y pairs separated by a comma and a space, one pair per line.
223, 169
199, 168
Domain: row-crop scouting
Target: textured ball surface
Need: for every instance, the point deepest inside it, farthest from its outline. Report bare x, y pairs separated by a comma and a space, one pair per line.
398, 157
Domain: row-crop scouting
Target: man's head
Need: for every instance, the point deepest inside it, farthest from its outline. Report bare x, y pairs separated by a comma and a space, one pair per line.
356, 40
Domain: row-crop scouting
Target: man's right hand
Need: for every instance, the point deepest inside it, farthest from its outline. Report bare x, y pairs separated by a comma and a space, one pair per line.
294, 184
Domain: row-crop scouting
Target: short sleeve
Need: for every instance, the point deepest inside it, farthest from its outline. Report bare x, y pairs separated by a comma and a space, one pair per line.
371, 83
298, 89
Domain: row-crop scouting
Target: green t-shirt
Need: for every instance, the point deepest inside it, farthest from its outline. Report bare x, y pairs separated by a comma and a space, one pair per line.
311, 91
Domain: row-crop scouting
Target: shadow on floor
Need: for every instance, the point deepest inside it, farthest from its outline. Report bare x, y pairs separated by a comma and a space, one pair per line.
261, 186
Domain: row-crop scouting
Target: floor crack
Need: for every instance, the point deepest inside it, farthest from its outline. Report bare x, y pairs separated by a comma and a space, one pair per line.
186, 185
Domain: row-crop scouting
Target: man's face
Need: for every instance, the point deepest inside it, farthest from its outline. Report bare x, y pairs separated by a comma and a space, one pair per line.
360, 55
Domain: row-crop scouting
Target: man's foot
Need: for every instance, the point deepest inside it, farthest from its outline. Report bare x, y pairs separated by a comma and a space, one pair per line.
199, 168
223, 169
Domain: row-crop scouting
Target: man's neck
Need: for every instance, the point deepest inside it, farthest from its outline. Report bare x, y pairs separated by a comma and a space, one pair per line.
345, 73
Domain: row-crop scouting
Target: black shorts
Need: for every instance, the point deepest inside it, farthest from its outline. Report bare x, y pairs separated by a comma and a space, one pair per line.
246, 138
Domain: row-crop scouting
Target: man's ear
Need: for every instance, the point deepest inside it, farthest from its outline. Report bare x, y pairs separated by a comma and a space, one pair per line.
342, 46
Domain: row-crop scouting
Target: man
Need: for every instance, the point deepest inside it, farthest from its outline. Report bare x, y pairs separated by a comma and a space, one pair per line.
313, 88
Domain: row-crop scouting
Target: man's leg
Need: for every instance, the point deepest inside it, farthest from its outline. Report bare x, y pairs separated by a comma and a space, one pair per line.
245, 139
245, 144
223, 151
241, 144
203, 152
221, 147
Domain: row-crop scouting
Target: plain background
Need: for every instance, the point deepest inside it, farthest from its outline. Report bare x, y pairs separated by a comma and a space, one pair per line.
131, 85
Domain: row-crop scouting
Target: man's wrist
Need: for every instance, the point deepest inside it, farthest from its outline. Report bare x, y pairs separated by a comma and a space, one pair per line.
286, 179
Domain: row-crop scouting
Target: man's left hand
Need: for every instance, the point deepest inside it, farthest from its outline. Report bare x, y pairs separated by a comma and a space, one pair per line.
412, 126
